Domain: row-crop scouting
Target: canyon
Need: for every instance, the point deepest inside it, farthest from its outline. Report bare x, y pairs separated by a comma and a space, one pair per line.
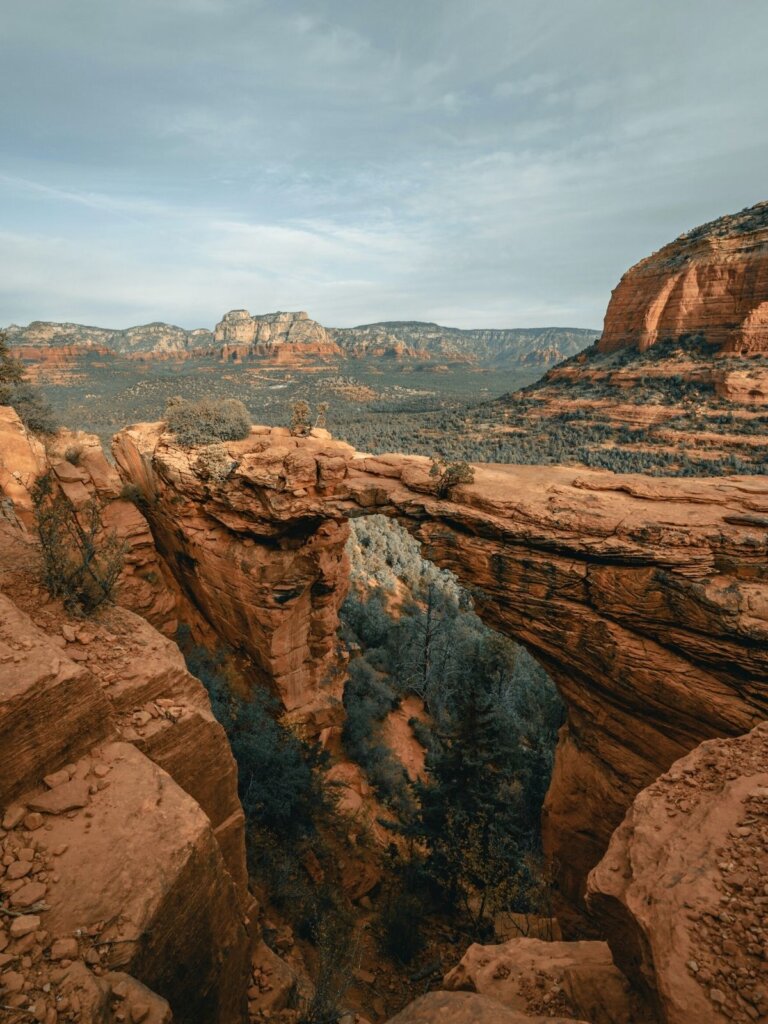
123, 882
627, 590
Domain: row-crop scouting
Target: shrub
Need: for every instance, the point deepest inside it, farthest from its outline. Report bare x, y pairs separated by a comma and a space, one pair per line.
322, 410
130, 492
450, 475
73, 454
279, 788
11, 369
214, 464
80, 563
34, 410
300, 418
338, 951
207, 421
400, 934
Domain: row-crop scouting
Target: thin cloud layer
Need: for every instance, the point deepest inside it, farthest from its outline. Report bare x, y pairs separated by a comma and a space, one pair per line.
494, 164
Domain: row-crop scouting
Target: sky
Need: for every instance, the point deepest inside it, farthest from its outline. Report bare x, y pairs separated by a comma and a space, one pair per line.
479, 163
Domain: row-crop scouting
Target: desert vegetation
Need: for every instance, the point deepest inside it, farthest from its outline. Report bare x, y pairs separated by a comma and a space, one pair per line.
290, 822
29, 402
207, 420
81, 561
489, 725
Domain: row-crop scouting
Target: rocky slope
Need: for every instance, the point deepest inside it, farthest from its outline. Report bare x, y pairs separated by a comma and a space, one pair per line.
711, 283
644, 599
682, 889
123, 867
295, 338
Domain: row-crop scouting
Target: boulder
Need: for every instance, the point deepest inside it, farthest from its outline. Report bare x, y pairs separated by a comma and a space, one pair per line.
681, 892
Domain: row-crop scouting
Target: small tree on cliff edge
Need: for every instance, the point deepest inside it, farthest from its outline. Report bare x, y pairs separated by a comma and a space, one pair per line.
301, 413
11, 369
322, 409
449, 475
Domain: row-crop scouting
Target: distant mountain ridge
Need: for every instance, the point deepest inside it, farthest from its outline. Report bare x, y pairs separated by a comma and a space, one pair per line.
286, 337
489, 346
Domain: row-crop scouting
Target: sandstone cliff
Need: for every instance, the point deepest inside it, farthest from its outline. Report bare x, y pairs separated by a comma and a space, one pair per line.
123, 858
294, 337
158, 339
681, 892
710, 283
644, 599
122, 833
281, 336
537, 346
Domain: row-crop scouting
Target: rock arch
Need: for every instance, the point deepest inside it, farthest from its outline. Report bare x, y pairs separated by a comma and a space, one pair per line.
645, 598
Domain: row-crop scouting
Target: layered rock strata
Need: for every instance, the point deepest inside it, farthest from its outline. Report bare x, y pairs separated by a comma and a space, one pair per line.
645, 599
121, 829
282, 336
710, 283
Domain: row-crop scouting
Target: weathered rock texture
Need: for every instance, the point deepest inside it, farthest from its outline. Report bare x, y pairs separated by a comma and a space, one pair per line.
573, 980
467, 1008
711, 282
122, 834
682, 892
289, 337
282, 336
645, 599
145, 585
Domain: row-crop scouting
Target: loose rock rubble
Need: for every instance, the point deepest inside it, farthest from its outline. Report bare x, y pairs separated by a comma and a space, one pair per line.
54, 978
683, 889
572, 980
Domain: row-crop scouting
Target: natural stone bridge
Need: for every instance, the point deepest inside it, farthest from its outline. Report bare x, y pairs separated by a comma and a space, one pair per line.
645, 599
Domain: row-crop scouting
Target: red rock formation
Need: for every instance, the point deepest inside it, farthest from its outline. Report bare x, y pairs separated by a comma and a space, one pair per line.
467, 1008
711, 282
284, 337
145, 585
119, 810
644, 598
681, 891
571, 979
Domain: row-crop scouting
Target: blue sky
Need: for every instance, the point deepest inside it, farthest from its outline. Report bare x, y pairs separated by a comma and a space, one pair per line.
497, 163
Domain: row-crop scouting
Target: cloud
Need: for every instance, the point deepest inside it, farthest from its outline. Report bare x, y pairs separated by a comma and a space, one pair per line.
489, 164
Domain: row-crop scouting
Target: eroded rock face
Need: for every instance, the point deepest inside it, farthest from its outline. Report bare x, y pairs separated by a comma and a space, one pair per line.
711, 282
644, 598
145, 586
282, 336
681, 891
121, 833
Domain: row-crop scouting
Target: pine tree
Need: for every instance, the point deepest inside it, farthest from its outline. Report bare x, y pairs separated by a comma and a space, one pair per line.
470, 809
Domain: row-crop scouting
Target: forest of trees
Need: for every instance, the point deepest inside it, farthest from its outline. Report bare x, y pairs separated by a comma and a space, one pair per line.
489, 729
465, 837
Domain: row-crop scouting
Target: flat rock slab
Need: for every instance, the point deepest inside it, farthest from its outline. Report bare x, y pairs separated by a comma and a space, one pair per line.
467, 1008
68, 797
